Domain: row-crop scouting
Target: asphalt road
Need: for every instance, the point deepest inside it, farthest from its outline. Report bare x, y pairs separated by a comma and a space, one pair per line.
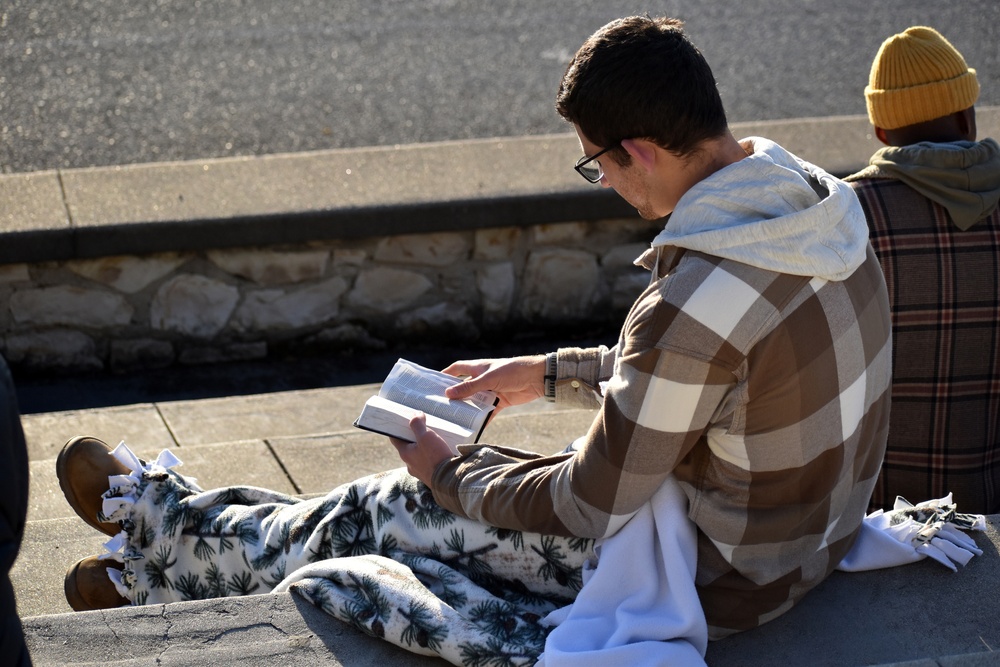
103, 82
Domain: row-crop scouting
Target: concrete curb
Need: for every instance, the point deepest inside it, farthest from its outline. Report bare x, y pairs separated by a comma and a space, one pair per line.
918, 615
256, 630
329, 195
203, 204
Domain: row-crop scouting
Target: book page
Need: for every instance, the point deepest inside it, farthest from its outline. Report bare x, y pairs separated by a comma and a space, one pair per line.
423, 389
381, 415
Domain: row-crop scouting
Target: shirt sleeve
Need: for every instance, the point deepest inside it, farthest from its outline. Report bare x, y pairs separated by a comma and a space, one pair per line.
580, 373
656, 407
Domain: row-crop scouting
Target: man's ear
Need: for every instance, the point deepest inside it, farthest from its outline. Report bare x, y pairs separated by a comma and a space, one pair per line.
642, 151
967, 123
881, 136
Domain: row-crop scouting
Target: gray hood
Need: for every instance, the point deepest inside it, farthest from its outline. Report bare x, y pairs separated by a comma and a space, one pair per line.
962, 176
773, 211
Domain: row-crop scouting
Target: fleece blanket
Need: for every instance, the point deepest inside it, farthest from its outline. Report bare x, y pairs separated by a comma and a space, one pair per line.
379, 554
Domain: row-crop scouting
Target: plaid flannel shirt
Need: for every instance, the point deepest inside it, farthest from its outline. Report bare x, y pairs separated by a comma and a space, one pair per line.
944, 290
765, 394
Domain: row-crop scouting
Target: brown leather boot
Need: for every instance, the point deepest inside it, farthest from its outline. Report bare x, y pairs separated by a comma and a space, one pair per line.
83, 468
88, 587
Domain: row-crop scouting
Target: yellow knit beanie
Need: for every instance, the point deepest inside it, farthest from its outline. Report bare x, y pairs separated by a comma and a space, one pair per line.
918, 76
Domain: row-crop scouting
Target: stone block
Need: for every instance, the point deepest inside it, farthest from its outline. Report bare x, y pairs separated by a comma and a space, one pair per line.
349, 257
560, 285
441, 249
145, 353
125, 273
622, 257
559, 233
387, 290
53, 350
881, 617
346, 336
271, 267
193, 305
635, 229
268, 310
14, 273
627, 288
68, 305
496, 243
448, 320
496, 284
198, 354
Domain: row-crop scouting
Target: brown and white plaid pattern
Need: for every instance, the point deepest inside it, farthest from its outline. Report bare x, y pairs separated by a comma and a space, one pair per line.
944, 289
765, 394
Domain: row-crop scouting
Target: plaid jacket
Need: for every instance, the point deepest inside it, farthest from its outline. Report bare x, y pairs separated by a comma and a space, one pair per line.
765, 394
944, 289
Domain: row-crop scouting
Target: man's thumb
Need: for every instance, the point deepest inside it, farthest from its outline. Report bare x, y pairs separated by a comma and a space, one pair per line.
418, 424
463, 389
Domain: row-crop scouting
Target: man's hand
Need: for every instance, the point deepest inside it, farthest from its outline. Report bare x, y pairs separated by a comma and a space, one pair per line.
423, 456
517, 380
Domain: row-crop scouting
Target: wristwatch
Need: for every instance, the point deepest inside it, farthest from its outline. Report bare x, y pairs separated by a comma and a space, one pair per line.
551, 365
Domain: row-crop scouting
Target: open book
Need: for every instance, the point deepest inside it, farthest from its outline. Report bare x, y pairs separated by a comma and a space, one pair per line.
411, 388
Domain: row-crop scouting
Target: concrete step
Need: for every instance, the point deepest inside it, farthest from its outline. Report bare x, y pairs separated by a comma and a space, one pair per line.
300, 443
919, 615
261, 630
288, 463
180, 424
49, 548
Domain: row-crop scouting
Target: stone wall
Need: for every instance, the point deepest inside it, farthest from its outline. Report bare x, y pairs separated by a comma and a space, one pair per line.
125, 313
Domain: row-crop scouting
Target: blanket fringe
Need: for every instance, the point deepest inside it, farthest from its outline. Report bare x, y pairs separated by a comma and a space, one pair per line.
118, 501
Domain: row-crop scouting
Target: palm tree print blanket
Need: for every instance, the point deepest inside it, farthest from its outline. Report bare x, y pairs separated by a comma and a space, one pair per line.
377, 553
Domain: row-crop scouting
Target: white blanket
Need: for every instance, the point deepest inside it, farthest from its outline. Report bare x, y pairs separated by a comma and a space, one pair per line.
910, 533
639, 605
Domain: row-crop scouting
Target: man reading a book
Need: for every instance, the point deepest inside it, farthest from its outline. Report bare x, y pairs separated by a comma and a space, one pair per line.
754, 370
741, 423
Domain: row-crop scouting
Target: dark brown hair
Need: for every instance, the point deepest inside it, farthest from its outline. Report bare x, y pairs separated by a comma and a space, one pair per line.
642, 78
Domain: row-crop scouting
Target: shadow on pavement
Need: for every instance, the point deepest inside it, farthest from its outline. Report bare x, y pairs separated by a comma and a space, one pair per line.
55, 393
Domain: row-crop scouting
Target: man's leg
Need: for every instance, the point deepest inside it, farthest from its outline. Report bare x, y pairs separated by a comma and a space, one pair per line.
378, 553
188, 544
13, 512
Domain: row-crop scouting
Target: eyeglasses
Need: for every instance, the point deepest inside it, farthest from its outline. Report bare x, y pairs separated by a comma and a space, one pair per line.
589, 168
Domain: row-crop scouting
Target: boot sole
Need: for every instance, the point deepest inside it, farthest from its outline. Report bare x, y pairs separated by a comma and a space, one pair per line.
75, 598
109, 529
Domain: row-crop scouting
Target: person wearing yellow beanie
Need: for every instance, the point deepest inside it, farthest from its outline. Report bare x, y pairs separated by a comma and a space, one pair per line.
931, 199
918, 76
